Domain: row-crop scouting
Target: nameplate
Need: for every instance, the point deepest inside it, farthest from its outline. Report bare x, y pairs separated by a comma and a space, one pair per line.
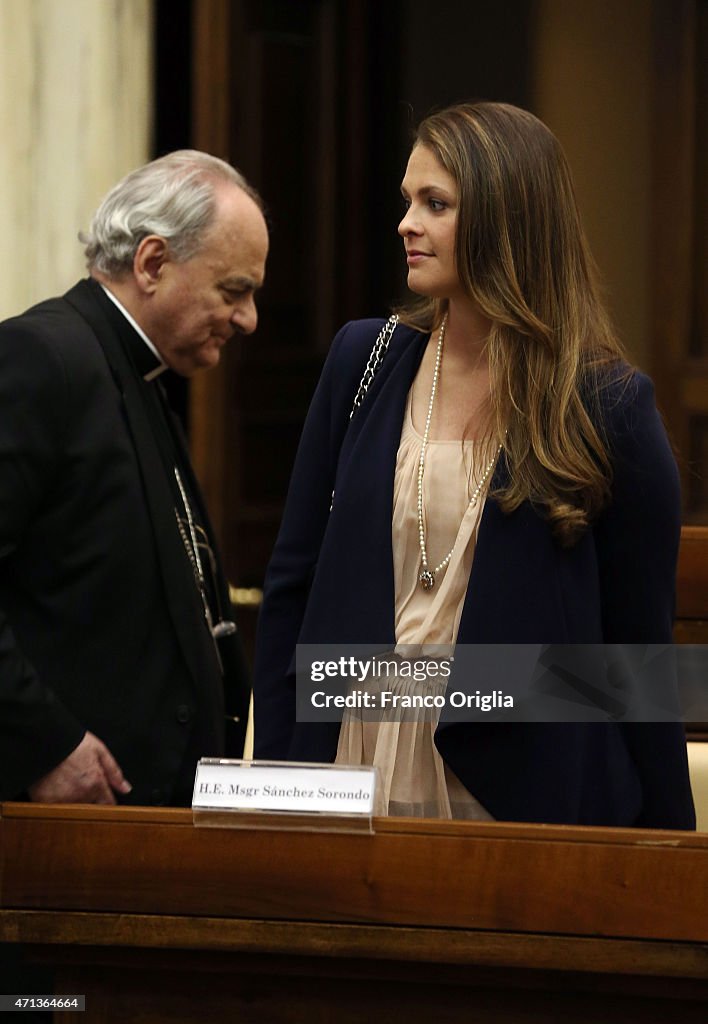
286, 789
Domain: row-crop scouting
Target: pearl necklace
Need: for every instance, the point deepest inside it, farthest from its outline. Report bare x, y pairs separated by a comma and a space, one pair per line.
426, 577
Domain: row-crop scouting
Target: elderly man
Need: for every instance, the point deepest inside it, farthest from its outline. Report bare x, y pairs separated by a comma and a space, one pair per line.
118, 667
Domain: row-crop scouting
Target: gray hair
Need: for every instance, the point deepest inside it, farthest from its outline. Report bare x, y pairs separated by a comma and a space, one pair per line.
173, 197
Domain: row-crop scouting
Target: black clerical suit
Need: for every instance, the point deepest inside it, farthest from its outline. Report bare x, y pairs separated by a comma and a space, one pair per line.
102, 626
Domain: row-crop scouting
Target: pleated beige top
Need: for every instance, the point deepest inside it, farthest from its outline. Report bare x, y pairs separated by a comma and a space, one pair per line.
414, 779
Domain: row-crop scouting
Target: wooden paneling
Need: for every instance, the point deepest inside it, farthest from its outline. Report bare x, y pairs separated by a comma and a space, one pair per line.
679, 157
692, 575
267, 90
691, 626
211, 85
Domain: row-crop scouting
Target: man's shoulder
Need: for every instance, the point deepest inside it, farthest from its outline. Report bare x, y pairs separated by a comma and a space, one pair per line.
53, 326
36, 318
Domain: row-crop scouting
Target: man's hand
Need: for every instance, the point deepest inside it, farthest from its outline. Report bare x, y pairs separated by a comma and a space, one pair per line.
89, 775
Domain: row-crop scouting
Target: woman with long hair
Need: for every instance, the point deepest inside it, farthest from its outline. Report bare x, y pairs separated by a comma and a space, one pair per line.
504, 479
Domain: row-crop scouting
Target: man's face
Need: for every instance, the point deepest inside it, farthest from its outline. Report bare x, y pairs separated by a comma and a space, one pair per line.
199, 304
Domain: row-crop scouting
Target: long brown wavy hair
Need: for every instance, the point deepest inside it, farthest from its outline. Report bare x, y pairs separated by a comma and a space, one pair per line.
522, 257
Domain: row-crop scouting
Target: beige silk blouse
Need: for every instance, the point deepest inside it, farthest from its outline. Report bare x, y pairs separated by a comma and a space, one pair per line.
414, 780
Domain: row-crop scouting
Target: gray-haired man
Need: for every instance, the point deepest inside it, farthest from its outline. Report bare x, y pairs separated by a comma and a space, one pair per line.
118, 667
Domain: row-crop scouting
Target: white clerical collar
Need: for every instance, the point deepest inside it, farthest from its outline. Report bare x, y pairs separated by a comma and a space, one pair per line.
138, 329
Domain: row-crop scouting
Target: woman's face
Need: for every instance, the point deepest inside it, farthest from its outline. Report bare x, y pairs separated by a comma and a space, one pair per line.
428, 227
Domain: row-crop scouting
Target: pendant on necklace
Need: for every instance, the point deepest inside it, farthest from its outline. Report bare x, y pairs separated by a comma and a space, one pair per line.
426, 579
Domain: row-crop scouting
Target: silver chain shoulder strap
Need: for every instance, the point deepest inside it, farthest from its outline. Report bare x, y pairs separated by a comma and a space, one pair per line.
375, 360
376, 357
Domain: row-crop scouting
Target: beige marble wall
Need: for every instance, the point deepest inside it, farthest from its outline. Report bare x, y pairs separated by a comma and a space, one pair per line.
75, 115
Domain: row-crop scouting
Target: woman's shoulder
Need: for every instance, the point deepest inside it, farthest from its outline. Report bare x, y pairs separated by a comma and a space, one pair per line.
359, 336
636, 440
619, 395
354, 348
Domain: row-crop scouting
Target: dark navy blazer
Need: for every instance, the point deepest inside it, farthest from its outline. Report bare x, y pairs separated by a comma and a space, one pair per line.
330, 581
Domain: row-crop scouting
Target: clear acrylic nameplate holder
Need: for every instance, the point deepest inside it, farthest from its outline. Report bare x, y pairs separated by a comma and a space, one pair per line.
285, 795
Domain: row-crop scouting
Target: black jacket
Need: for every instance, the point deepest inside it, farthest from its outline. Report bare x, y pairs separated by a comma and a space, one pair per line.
101, 624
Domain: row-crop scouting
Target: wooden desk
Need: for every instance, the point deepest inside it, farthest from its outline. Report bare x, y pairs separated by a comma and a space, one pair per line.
154, 919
